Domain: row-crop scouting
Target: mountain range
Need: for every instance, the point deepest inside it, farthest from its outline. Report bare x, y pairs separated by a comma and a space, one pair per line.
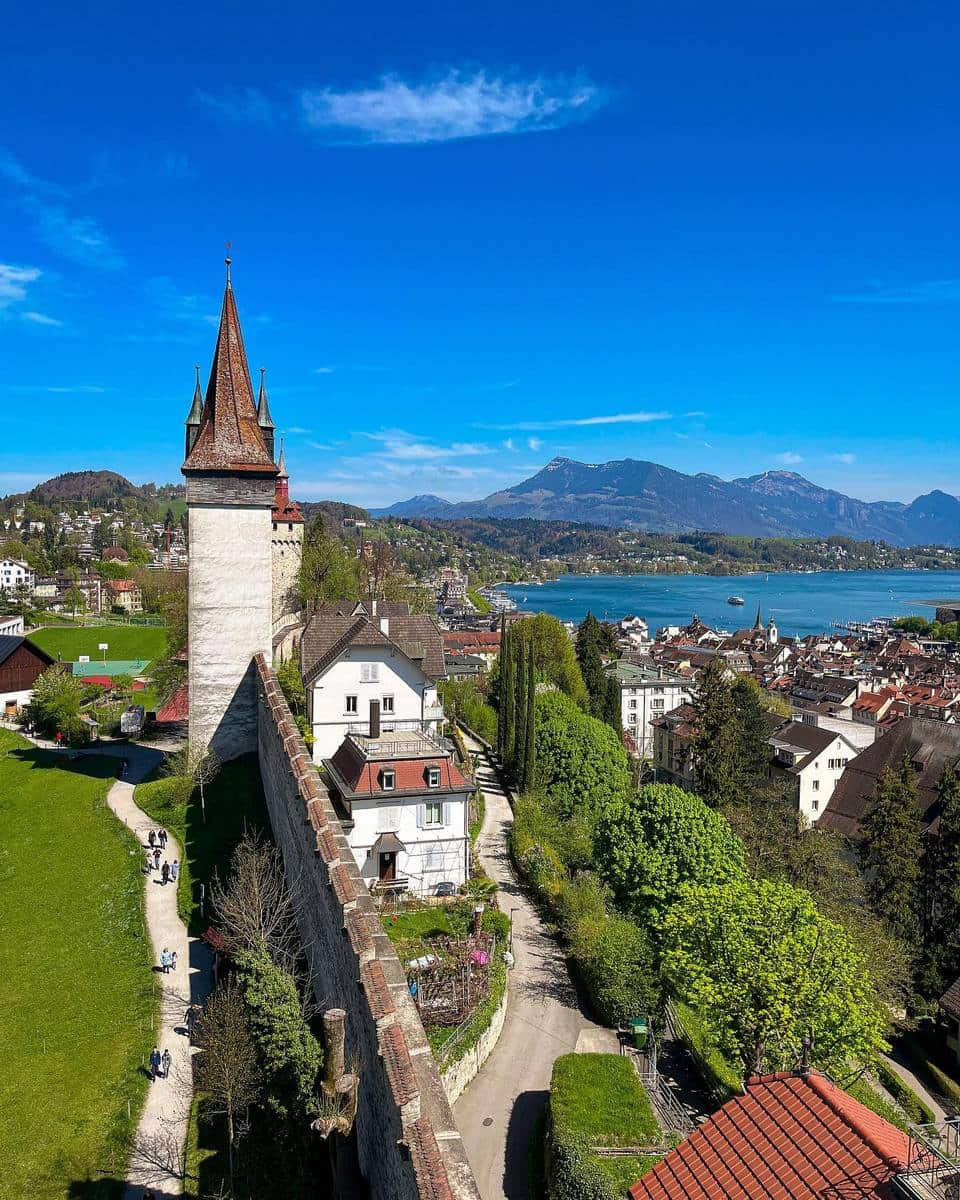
632, 494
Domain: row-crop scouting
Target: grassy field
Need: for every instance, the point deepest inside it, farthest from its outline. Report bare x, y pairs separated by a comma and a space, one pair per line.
125, 641
77, 997
234, 803
602, 1098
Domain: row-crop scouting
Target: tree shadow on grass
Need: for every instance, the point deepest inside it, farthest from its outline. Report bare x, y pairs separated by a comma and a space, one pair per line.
92, 766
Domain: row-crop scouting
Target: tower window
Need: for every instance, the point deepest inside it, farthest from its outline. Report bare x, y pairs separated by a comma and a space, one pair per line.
388, 779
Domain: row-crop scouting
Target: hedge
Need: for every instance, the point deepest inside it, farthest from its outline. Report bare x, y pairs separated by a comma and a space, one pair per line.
719, 1074
595, 1099
916, 1110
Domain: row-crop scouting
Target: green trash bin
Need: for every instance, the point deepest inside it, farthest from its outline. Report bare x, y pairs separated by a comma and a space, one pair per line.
640, 1031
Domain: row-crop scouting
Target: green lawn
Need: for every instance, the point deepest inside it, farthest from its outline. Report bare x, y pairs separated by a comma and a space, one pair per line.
234, 803
125, 641
77, 996
600, 1096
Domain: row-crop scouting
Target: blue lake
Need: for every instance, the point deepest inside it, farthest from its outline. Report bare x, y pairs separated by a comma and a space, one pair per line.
798, 602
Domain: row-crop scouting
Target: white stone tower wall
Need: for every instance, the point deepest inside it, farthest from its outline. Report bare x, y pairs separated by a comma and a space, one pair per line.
230, 598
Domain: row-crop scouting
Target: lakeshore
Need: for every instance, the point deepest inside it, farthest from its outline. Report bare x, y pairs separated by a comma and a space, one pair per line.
799, 602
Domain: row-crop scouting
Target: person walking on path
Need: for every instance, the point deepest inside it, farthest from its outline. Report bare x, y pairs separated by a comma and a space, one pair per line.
162, 838
173, 960
175, 869
155, 1061
165, 1062
152, 839
165, 873
149, 862
156, 858
165, 960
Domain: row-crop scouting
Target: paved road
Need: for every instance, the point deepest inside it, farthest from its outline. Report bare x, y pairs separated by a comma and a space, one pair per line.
900, 1068
497, 1112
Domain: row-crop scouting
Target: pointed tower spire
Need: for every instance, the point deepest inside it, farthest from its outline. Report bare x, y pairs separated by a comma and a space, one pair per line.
264, 420
282, 463
229, 437
758, 623
284, 509
194, 415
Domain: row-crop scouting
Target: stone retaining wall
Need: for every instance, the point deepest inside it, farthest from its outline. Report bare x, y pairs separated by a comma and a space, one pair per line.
456, 1077
408, 1143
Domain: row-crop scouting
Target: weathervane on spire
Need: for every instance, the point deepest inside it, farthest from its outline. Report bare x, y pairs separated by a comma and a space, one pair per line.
228, 260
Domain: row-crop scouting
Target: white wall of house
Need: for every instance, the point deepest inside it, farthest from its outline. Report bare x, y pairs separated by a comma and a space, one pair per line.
340, 697
435, 851
816, 781
647, 701
11, 626
15, 575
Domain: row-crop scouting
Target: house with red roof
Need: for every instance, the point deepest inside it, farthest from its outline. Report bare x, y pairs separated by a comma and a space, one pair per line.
124, 594
404, 806
795, 1136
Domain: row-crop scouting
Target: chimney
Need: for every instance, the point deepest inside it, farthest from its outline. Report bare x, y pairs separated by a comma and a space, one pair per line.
373, 607
374, 718
385, 625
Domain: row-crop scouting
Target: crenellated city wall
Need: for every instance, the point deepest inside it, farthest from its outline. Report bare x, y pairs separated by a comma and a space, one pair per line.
408, 1143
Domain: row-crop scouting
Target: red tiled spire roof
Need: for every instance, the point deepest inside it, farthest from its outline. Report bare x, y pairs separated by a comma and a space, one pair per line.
230, 437
790, 1137
285, 509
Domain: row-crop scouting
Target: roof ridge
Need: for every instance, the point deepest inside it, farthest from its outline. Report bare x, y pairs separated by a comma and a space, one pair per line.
849, 1112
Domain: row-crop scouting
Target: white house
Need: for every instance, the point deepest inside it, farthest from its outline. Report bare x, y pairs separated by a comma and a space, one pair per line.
357, 651
11, 626
646, 693
16, 576
404, 806
812, 759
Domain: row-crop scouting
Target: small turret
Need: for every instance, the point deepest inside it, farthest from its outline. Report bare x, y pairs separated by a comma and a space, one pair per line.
193, 416
264, 420
773, 634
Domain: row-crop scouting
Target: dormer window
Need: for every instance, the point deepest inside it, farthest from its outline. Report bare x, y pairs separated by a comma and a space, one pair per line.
433, 777
388, 779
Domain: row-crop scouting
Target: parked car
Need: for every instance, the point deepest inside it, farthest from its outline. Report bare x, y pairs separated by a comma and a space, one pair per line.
445, 888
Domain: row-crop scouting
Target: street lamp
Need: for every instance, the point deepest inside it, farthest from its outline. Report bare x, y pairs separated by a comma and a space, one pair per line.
512, 911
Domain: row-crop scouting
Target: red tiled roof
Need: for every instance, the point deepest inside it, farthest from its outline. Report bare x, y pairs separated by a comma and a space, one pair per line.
789, 1138
456, 640
120, 585
176, 709
230, 438
363, 778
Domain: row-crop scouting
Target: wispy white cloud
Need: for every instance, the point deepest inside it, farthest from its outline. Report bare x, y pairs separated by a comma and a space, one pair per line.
632, 418
696, 413
450, 106
788, 458
847, 458
297, 429
935, 291
534, 443
77, 237
399, 444
14, 282
39, 318
323, 370
508, 444
318, 445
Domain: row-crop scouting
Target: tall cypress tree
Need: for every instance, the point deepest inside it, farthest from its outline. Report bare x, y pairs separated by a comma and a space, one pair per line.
716, 747
520, 738
501, 706
589, 636
889, 851
530, 742
941, 885
508, 696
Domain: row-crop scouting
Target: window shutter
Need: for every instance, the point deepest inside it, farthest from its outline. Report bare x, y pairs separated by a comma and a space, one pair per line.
421, 816
446, 814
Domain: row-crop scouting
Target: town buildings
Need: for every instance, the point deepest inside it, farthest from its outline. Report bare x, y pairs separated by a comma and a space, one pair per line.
16, 577
21, 665
646, 694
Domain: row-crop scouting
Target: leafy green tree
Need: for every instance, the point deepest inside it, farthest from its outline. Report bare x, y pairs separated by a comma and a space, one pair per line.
767, 971
291, 684
581, 763
716, 746
653, 843
753, 760
465, 700
941, 885
55, 705
290, 1056
328, 571
889, 849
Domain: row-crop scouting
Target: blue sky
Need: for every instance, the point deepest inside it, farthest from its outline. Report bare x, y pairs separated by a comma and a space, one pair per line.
467, 238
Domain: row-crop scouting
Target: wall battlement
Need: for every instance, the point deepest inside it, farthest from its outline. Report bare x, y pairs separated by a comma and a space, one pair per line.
408, 1144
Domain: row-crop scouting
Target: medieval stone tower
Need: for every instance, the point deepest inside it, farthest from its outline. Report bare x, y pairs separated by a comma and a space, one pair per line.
287, 547
231, 491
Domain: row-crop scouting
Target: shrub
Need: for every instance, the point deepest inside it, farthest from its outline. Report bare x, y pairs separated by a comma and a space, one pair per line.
917, 1112
580, 899
616, 962
581, 762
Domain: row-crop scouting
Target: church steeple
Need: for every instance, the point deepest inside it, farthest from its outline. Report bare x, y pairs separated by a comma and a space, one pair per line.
264, 420
758, 623
229, 438
194, 415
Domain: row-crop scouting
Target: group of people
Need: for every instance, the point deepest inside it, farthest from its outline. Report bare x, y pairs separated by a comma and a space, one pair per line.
156, 844
168, 960
159, 1064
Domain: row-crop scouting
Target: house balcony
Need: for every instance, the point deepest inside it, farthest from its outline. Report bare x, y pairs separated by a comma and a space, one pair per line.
433, 712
